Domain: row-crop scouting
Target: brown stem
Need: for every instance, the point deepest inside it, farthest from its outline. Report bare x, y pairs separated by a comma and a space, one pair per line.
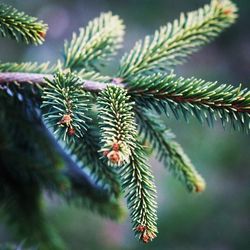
94, 86
10, 77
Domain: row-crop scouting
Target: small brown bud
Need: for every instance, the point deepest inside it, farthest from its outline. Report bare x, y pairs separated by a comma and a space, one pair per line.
71, 131
116, 147
114, 157
200, 185
228, 11
66, 119
42, 34
140, 228
145, 238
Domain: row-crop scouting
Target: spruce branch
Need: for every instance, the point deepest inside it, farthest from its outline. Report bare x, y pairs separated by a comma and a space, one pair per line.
67, 110
20, 26
65, 106
95, 43
57, 165
138, 182
58, 174
168, 151
96, 115
173, 43
118, 139
117, 125
207, 101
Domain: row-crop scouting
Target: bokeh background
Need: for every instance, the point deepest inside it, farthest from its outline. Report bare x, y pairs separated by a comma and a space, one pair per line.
218, 219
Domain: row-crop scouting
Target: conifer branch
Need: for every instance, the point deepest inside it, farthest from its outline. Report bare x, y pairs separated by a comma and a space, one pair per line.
117, 125
168, 151
138, 181
65, 105
207, 101
119, 145
95, 43
95, 115
85, 190
173, 43
20, 26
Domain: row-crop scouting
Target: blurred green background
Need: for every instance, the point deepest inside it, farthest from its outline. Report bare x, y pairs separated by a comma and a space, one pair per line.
218, 219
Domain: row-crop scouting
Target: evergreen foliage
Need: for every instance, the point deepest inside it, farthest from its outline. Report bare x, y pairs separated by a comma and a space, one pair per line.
81, 134
95, 43
207, 101
173, 43
20, 26
118, 130
138, 180
66, 105
120, 147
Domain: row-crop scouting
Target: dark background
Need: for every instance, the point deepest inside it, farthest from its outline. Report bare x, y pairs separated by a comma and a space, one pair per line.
217, 219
